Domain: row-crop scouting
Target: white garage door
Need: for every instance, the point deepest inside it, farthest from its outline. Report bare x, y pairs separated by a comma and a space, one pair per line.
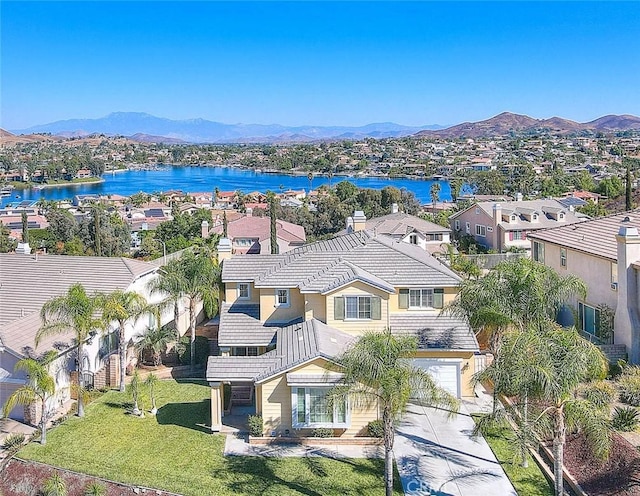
446, 373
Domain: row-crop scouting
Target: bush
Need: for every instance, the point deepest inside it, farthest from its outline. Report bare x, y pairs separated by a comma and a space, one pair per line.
256, 425
625, 419
375, 428
184, 350
13, 441
226, 390
54, 486
322, 432
600, 393
629, 386
95, 489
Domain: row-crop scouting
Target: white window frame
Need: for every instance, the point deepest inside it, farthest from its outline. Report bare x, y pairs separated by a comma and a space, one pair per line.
307, 424
537, 252
479, 230
413, 239
248, 286
358, 298
424, 292
468, 227
563, 257
287, 296
457, 224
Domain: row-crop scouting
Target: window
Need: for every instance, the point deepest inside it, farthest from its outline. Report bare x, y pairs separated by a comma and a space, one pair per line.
421, 298
614, 273
244, 291
311, 408
282, 297
589, 319
357, 307
563, 257
481, 230
538, 251
517, 235
413, 239
109, 343
252, 351
467, 227
477, 210
434, 237
457, 225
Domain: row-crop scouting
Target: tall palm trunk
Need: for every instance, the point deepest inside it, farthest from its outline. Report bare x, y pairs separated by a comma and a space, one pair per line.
192, 328
43, 422
80, 382
123, 356
558, 451
387, 421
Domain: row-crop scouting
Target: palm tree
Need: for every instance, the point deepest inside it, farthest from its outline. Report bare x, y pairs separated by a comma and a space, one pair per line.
151, 381
194, 277
156, 339
41, 386
377, 372
123, 306
435, 193
75, 312
570, 360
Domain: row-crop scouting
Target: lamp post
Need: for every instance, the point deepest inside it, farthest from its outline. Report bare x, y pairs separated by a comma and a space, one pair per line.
164, 250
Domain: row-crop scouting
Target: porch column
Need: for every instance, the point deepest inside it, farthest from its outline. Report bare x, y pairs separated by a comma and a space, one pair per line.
216, 406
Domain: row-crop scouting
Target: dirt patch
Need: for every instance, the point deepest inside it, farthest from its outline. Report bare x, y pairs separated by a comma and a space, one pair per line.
617, 476
20, 478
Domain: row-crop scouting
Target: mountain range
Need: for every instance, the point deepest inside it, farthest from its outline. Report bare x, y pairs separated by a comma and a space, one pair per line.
148, 128
506, 122
204, 131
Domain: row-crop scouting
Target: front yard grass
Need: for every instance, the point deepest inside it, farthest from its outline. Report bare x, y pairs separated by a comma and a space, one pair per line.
530, 481
175, 451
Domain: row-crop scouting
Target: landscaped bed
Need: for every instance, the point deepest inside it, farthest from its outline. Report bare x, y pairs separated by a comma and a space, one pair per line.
175, 451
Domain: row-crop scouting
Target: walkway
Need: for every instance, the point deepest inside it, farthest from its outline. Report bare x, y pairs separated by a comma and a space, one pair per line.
438, 456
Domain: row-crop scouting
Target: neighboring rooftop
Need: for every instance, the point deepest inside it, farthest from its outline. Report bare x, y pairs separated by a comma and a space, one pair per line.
595, 236
435, 331
260, 228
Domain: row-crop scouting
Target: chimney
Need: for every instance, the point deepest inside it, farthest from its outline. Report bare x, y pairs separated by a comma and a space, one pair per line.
518, 196
205, 229
224, 249
497, 213
359, 220
23, 249
627, 319
249, 212
394, 208
349, 225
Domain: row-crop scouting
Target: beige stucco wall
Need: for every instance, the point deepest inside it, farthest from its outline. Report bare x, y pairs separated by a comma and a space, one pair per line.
358, 327
315, 307
594, 271
272, 314
394, 300
231, 294
275, 405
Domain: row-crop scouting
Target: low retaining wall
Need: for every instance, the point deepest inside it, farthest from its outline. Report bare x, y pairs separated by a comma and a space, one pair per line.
317, 441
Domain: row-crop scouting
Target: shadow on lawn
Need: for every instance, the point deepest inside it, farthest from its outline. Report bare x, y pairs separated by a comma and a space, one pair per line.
189, 415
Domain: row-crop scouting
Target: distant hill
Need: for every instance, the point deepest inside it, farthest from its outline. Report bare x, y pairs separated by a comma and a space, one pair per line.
508, 122
204, 131
147, 138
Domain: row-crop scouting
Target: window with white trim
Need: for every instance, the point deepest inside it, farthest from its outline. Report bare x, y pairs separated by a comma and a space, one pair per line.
357, 307
481, 230
421, 298
589, 319
467, 227
413, 239
244, 291
538, 251
434, 237
563, 257
457, 224
311, 408
282, 298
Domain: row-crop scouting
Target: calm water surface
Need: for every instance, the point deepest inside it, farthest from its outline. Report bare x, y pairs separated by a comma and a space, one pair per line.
200, 179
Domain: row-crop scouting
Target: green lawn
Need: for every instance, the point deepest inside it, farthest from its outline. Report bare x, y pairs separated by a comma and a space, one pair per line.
527, 481
175, 451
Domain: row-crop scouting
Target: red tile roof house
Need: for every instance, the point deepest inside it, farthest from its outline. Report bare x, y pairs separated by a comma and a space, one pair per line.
250, 234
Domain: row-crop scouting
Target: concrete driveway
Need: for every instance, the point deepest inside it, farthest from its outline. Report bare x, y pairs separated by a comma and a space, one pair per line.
437, 456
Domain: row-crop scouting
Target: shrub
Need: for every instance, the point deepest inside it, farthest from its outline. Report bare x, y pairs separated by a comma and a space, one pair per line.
202, 350
375, 428
256, 425
322, 432
13, 441
95, 489
629, 386
600, 393
625, 419
54, 486
226, 390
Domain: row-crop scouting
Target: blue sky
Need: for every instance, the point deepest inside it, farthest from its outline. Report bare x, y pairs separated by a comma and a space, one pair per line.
320, 63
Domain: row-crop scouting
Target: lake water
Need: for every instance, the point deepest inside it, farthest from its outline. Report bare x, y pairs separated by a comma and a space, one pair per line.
200, 179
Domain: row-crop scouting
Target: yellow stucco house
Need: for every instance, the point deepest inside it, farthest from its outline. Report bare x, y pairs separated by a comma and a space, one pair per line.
285, 318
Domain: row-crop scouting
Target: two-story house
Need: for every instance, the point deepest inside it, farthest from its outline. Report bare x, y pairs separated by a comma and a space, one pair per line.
287, 317
402, 227
605, 254
501, 226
